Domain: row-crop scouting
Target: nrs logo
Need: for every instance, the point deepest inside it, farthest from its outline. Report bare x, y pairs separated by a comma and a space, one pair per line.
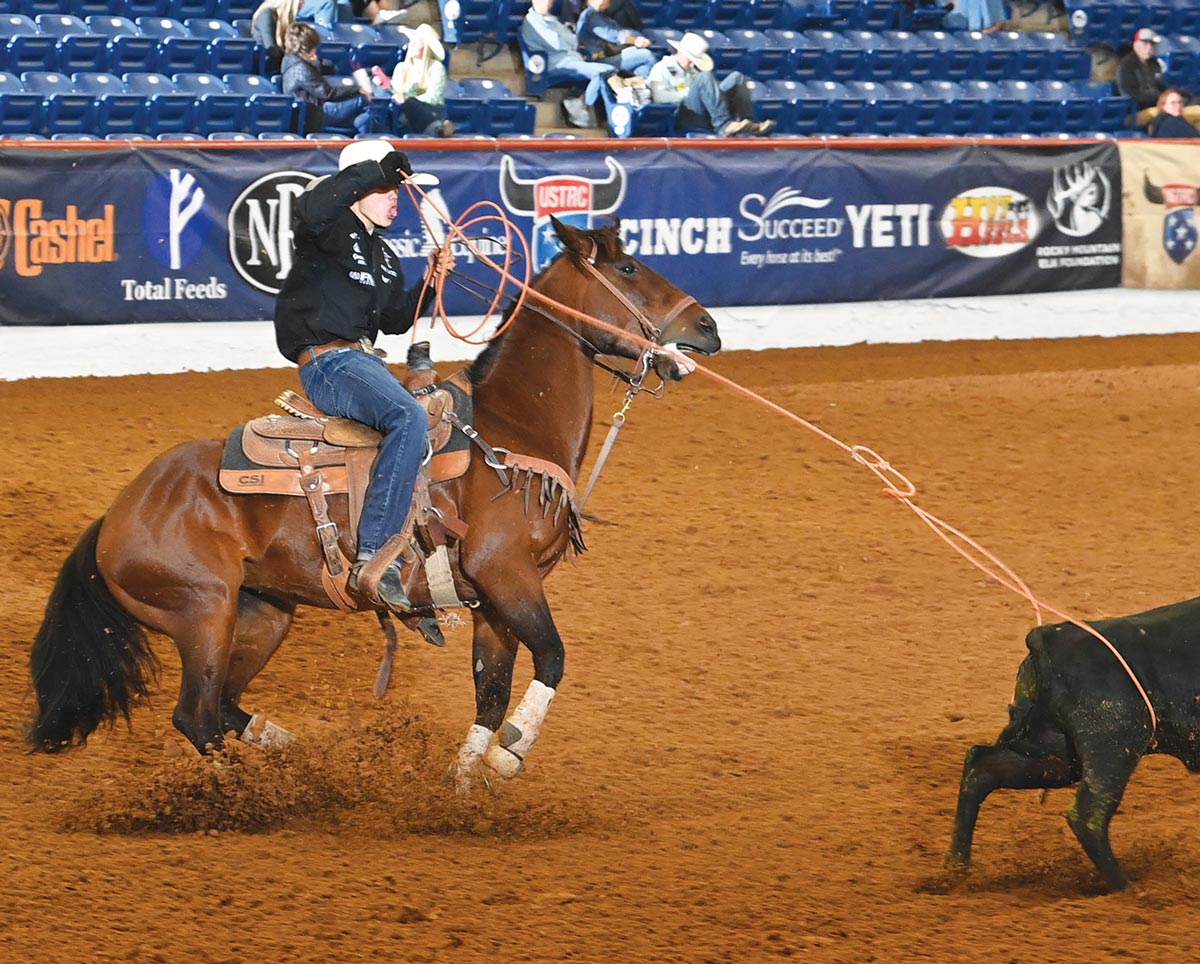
35, 241
260, 229
989, 222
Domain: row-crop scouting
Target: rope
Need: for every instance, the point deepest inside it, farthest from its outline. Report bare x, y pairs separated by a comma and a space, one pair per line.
895, 483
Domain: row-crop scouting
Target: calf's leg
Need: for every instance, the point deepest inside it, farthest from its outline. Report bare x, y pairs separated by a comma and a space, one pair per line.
998, 767
1105, 776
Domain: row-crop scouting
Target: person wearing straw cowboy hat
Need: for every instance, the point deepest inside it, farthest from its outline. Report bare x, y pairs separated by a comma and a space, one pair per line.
345, 287
686, 78
418, 84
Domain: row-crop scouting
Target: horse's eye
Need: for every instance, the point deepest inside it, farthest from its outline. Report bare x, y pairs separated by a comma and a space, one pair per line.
627, 267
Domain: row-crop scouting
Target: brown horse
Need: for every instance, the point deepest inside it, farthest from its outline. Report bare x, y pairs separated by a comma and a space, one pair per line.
222, 574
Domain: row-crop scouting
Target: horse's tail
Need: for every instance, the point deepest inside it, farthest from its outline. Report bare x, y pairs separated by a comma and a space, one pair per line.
90, 660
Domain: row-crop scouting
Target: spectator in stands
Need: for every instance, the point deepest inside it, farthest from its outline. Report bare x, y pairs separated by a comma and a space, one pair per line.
626, 14
544, 33
268, 27
686, 78
986, 16
418, 84
1169, 121
604, 40
1140, 78
324, 13
303, 78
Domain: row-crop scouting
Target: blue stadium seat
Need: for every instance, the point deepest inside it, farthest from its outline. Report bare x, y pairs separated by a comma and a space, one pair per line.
267, 110
1046, 111
954, 60
376, 53
207, 27
809, 106
235, 55
128, 136
230, 136
117, 111
74, 136
59, 24
1181, 54
1006, 103
83, 51
182, 55
1096, 22
776, 100
724, 14
145, 8
761, 14
279, 136
167, 110
351, 33
689, 14
66, 109
160, 27
216, 108
844, 109
1059, 58
87, 8
538, 79
192, 9
726, 52
1114, 111
874, 15
178, 136
885, 112
112, 26
503, 113
764, 58
29, 51
922, 15
918, 58
12, 24
36, 8
804, 54
839, 61
20, 110
878, 58
935, 111
131, 52
636, 120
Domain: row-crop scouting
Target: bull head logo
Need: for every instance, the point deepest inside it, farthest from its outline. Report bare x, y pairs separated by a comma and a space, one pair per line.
568, 197
1179, 227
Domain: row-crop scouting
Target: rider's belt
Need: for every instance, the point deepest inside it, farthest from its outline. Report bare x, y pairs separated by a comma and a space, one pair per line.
338, 344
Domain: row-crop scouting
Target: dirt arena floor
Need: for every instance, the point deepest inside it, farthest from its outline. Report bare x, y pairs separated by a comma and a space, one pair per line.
773, 673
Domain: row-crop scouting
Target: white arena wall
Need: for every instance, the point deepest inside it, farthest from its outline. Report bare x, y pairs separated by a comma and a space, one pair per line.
58, 352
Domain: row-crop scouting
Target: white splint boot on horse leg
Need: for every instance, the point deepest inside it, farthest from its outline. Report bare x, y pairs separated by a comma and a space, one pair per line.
520, 731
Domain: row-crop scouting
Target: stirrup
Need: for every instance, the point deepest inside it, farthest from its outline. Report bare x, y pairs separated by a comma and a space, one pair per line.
387, 592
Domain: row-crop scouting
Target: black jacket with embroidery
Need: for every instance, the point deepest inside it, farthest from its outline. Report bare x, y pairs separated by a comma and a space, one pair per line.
345, 282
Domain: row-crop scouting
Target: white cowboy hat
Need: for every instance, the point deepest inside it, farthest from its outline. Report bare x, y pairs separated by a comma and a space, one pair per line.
433, 43
376, 149
696, 48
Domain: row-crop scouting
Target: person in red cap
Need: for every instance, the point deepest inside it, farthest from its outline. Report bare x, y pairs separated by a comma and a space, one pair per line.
1140, 78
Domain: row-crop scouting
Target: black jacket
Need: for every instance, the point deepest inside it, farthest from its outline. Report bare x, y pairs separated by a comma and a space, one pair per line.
1141, 80
345, 282
1167, 125
303, 80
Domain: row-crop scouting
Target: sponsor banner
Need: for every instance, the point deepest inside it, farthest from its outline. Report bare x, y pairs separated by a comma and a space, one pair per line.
1160, 199
161, 234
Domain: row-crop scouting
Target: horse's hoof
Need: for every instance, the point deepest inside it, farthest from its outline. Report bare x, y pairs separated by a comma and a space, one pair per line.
262, 732
502, 761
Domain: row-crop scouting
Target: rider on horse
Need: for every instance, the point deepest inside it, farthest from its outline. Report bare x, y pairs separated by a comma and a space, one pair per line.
345, 287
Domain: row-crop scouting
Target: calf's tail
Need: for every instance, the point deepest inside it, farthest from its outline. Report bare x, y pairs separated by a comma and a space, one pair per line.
90, 660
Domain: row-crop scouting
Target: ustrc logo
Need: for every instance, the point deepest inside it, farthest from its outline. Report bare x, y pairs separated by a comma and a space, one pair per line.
260, 229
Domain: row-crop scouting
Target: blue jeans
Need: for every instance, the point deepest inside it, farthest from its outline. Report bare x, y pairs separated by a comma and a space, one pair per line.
354, 112
710, 104
353, 384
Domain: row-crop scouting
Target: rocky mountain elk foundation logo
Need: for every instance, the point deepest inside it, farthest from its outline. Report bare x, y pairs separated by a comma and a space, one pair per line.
1179, 226
5, 230
260, 229
1080, 198
568, 197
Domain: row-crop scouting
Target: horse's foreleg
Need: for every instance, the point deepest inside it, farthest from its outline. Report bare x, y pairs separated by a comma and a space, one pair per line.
527, 619
261, 627
493, 653
204, 652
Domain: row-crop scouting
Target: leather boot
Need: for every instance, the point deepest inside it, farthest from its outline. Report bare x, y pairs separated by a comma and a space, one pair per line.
388, 592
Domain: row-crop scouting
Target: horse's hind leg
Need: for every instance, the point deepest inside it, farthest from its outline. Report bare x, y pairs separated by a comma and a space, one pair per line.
261, 627
998, 767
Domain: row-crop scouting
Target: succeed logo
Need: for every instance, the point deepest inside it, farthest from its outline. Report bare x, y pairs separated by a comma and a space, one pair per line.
34, 240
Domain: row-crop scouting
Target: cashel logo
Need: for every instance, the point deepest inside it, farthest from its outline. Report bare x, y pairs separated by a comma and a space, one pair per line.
174, 222
568, 197
1080, 198
1179, 226
34, 240
260, 229
989, 222
5, 231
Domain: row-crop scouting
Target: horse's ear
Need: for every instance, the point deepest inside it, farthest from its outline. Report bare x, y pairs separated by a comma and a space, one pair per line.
573, 239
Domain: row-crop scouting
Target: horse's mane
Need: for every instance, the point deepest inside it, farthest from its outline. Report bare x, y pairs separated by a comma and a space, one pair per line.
609, 247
